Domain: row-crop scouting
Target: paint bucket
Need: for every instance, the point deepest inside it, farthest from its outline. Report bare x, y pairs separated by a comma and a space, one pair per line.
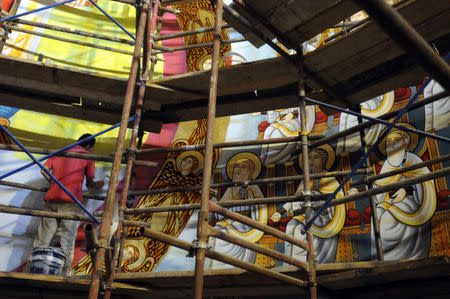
47, 260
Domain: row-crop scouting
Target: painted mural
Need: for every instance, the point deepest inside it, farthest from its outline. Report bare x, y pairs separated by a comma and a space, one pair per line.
414, 220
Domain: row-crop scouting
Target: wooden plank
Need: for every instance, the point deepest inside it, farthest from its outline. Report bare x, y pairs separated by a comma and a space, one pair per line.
236, 79
368, 46
400, 271
300, 20
405, 77
62, 283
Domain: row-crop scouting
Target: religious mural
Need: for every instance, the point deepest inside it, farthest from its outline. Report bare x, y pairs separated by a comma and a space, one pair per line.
414, 221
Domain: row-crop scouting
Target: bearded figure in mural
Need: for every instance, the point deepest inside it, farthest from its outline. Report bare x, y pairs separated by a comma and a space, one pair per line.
284, 123
404, 214
242, 167
328, 224
374, 108
142, 254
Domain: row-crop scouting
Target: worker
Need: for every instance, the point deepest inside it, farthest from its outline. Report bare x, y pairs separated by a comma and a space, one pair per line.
70, 172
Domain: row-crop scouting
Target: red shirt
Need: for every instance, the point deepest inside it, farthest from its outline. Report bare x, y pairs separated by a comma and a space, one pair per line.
70, 172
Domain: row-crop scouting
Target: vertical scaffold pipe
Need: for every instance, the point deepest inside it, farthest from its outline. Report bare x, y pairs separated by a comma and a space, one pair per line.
202, 223
148, 43
392, 23
105, 224
373, 207
306, 178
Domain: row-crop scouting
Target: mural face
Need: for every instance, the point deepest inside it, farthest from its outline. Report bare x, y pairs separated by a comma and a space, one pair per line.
404, 214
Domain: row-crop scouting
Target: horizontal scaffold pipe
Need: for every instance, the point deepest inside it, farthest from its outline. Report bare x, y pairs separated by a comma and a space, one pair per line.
386, 188
349, 26
223, 258
130, 2
254, 182
74, 31
214, 208
369, 180
257, 248
370, 123
227, 204
380, 121
36, 150
196, 46
172, 2
41, 213
45, 189
198, 147
186, 33
67, 40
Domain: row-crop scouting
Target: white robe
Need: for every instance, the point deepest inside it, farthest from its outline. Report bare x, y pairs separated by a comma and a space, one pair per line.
258, 213
279, 153
437, 114
404, 226
324, 230
374, 108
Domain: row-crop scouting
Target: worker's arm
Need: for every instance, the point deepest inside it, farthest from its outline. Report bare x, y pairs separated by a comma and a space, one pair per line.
90, 183
46, 176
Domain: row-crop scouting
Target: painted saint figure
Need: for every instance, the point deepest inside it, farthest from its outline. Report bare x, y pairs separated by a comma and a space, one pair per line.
284, 123
242, 167
142, 253
328, 224
405, 213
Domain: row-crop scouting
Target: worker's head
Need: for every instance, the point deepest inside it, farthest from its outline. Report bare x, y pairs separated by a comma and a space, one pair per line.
88, 144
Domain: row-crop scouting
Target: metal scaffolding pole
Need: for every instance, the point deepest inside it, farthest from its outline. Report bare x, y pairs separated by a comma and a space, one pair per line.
370, 123
4, 37
75, 31
58, 151
380, 121
197, 147
372, 199
254, 182
45, 189
148, 43
386, 188
223, 258
202, 222
369, 152
391, 22
283, 39
46, 171
105, 225
310, 257
195, 46
35, 150
186, 33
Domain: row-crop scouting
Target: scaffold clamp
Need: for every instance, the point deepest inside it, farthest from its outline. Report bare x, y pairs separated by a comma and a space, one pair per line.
197, 245
101, 245
141, 81
306, 193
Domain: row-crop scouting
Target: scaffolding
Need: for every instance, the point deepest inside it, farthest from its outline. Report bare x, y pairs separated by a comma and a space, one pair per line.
106, 256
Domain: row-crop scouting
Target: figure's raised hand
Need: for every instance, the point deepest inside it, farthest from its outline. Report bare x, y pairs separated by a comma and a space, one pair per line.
276, 217
399, 195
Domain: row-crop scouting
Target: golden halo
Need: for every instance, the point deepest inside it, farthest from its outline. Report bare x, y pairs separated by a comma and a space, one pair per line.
414, 138
194, 154
330, 152
246, 155
4, 122
180, 142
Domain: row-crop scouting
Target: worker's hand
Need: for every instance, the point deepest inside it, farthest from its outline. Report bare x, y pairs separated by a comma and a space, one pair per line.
98, 184
276, 217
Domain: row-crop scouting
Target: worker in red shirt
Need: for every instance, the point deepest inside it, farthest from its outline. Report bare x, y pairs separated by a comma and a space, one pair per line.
70, 172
